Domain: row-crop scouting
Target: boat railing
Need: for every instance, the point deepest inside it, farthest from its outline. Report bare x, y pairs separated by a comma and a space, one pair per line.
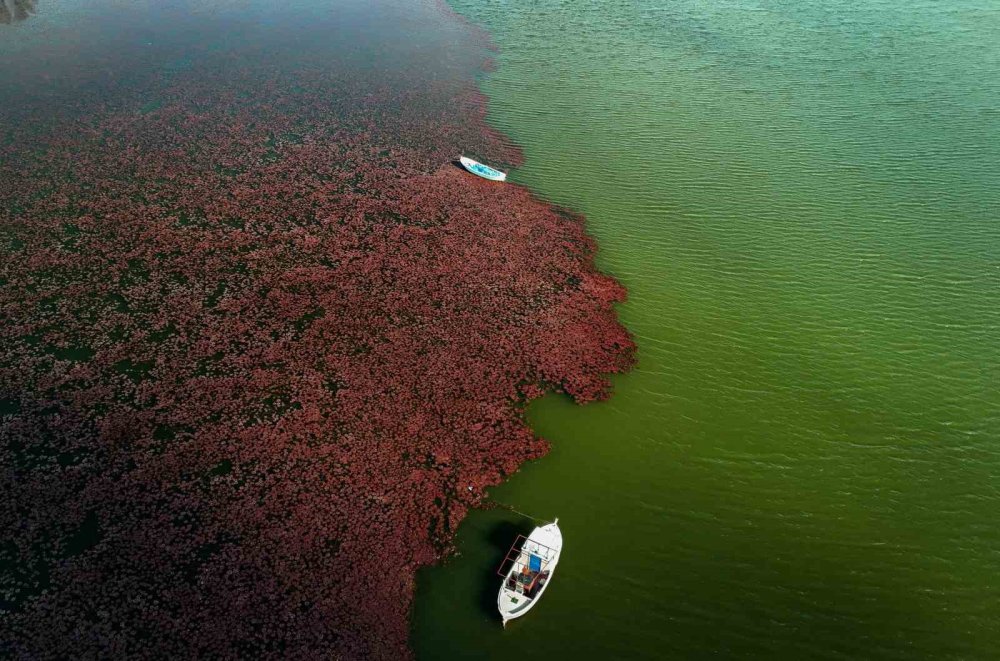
516, 553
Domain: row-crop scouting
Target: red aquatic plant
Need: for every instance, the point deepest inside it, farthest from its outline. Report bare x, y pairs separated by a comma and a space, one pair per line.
261, 357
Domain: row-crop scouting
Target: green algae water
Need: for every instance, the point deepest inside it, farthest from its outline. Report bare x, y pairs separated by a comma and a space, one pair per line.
803, 200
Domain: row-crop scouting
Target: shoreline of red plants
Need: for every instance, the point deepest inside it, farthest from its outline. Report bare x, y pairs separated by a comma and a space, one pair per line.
257, 351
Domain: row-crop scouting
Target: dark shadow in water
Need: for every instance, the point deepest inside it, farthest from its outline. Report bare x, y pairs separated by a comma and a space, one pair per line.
41, 460
12, 11
499, 537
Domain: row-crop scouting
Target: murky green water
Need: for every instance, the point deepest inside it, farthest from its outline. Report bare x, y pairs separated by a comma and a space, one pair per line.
803, 199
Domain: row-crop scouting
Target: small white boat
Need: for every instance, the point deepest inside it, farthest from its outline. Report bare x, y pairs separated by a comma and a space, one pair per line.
532, 562
484, 171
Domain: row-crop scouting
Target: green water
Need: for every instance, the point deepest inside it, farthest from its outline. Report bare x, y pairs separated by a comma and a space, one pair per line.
803, 200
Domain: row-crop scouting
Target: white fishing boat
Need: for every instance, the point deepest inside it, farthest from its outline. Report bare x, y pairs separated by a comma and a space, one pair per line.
527, 570
484, 171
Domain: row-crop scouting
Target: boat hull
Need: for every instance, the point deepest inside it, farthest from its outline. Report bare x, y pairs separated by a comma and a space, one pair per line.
516, 598
480, 170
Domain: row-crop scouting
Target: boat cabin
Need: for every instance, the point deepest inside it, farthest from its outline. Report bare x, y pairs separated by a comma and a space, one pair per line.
525, 567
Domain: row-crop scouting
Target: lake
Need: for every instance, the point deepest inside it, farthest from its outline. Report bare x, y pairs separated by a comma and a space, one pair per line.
802, 199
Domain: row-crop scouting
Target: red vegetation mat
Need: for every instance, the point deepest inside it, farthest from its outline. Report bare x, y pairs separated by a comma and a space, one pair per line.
255, 353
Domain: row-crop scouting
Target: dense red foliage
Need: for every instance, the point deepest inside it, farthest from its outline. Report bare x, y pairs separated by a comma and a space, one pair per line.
255, 353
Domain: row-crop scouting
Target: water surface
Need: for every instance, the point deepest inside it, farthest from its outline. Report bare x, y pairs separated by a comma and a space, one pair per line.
802, 199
